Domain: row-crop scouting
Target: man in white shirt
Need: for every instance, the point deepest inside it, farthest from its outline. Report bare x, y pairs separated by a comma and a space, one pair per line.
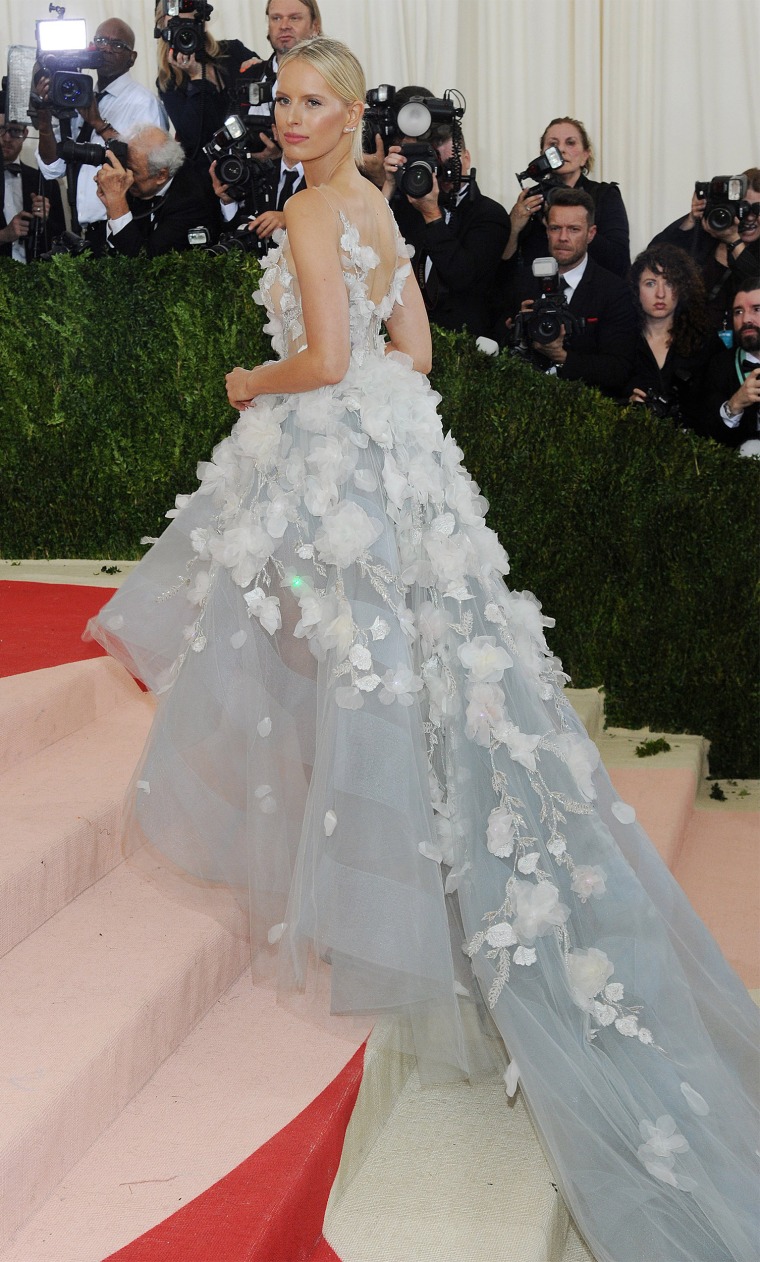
120, 105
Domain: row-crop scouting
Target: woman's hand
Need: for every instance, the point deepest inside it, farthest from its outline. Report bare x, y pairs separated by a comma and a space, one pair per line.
638, 395
240, 390
524, 208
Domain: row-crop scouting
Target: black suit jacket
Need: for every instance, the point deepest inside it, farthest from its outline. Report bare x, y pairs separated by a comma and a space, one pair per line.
197, 108
722, 381
464, 254
56, 223
602, 355
610, 247
189, 203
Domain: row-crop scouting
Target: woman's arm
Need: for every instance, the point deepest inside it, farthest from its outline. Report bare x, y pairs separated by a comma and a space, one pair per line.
314, 243
409, 327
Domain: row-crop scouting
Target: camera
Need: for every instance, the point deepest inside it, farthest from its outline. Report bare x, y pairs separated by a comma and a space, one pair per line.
551, 317
62, 55
416, 177
233, 148
379, 117
725, 196
88, 154
184, 31
256, 96
241, 238
542, 170
67, 243
664, 406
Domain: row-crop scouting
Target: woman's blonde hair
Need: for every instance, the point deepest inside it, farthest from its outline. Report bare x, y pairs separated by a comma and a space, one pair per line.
581, 130
168, 73
340, 69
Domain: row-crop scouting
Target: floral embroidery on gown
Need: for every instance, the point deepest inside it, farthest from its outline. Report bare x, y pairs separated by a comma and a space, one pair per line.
362, 730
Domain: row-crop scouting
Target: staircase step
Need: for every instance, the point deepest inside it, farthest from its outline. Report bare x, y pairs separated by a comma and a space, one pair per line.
241, 1076
661, 787
414, 1183
43, 706
62, 805
93, 1002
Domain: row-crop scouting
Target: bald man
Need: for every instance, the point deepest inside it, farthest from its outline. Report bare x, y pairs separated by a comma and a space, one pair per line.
120, 105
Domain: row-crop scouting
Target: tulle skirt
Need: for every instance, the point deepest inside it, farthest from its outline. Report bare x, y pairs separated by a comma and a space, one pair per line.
361, 731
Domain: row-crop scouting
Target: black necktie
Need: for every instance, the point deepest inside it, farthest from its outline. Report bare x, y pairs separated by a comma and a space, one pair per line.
287, 188
563, 285
13, 168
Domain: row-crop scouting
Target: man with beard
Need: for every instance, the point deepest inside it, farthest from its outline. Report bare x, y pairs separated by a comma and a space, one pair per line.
733, 377
120, 104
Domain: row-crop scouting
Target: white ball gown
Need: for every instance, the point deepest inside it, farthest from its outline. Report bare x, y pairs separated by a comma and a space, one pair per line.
362, 729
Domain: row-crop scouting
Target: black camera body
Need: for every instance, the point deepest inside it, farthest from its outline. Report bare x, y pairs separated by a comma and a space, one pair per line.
543, 170
416, 176
70, 89
664, 406
251, 92
89, 154
185, 31
67, 243
726, 200
241, 238
233, 147
550, 318
380, 117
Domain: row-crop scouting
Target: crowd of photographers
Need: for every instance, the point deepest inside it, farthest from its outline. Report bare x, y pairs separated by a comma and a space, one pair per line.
551, 280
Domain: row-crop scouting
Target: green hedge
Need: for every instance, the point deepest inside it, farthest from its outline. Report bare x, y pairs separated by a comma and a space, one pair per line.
641, 541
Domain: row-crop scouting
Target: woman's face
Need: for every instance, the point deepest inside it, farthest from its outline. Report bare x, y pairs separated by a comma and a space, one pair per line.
311, 118
569, 141
657, 296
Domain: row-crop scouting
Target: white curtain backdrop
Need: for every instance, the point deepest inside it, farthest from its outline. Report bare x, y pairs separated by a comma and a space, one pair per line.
667, 89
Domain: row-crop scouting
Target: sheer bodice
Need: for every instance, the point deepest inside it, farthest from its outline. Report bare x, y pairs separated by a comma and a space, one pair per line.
374, 283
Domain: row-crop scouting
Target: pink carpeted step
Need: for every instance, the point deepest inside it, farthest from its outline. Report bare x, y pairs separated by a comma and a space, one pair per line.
663, 798
62, 803
93, 1002
719, 869
42, 706
242, 1075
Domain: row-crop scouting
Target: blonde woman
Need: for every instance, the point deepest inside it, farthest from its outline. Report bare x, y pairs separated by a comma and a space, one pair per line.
362, 731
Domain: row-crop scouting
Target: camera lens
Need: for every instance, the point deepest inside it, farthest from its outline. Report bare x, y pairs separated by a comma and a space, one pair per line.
720, 217
186, 40
547, 329
71, 91
231, 170
417, 179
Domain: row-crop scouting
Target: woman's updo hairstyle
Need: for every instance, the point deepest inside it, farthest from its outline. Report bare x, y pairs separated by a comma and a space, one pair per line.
340, 69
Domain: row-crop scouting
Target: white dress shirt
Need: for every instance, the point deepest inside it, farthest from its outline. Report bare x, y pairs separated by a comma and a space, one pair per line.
124, 104
12, 205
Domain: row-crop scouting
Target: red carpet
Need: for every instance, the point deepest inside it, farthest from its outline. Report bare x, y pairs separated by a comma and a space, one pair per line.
271, 1207
41, 624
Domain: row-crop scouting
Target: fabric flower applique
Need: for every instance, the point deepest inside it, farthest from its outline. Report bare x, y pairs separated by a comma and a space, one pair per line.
400, 684
265, 608
588, 972
484, 660
346, 533
662, 1143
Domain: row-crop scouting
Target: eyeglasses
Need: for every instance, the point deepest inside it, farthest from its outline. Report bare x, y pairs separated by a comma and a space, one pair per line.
16, 133
118, 45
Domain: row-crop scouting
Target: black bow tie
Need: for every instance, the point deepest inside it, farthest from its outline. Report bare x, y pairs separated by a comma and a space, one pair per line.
13, 168
749, 365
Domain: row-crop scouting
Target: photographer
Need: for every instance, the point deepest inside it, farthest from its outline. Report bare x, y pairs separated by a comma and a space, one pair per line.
610, 247
458, 237
671, 349
31, 211
197, 88
120, 103
272, 185
733, 375
155, 199
601, 352
723, 254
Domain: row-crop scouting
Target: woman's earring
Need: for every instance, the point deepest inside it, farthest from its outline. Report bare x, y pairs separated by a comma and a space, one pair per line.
349, 129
